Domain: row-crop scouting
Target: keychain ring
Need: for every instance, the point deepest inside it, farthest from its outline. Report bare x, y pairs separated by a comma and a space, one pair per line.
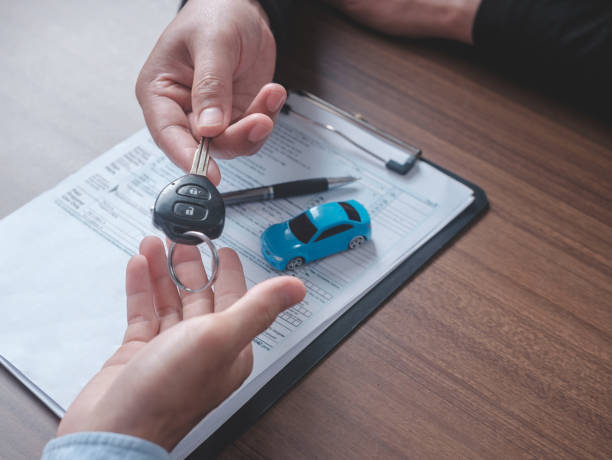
214, 263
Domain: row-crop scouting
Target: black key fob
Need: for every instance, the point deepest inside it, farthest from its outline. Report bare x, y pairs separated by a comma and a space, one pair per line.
190, 203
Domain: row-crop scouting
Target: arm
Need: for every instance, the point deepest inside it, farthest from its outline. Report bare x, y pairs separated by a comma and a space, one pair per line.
451, 19
566, 43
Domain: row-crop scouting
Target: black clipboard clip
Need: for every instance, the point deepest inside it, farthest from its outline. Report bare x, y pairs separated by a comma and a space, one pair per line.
412, 153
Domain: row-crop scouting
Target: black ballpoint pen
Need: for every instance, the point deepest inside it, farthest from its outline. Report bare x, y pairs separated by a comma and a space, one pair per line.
285, 189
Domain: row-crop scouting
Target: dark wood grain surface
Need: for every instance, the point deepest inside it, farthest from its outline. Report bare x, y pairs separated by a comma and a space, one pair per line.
501, 347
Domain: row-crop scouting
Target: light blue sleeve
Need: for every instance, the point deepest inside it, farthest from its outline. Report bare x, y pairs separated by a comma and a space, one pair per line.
102, 446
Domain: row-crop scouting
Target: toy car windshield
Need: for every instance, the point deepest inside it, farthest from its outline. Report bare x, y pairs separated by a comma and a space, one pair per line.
302, 228
351, 212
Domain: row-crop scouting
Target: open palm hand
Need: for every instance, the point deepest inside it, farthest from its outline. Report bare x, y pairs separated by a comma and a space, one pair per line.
182, 353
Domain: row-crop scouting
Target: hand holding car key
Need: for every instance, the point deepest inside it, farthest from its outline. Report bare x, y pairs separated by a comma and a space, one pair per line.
190, 210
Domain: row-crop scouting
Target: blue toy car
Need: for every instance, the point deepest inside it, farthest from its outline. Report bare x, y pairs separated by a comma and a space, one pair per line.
316, 233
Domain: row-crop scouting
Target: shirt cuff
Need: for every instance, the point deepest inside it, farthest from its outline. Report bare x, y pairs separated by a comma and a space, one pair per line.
102, 446
490, 26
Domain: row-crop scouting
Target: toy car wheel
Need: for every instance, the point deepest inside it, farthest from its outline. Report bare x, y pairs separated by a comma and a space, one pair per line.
295, 263
356, 242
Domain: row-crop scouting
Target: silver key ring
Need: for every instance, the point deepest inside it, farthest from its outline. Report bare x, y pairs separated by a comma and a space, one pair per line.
214, 263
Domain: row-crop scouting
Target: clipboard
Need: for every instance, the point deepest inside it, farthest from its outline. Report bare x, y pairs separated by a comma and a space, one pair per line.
340, 329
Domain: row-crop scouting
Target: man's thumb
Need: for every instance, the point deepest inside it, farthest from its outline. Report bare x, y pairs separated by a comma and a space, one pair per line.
257, 309
211, 96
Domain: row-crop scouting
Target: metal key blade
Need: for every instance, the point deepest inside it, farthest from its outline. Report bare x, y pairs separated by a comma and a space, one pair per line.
201, 158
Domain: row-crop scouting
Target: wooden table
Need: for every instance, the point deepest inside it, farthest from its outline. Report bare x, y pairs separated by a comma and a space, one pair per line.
501, 347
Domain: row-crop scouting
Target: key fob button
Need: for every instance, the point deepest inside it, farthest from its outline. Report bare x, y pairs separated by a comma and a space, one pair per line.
194, 191
180, 207
190, 211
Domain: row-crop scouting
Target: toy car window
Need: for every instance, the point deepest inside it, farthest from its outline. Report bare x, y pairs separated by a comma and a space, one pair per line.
351, 212
334, 231
302, 228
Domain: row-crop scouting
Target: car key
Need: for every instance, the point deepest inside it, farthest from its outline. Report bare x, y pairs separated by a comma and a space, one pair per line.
191, 203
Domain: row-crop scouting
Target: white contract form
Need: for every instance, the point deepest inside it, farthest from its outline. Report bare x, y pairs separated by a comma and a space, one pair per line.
64, 254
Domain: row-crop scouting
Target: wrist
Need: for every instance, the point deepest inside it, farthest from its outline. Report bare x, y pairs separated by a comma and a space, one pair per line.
450, 19
252, 3
454, 19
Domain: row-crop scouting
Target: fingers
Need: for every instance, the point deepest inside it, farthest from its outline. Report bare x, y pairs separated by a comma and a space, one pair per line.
230, 285
171, 130
164, 106
269, 101
142, 323
258, 308
245, 137
248, 134
190, 270
166, 298
211, 91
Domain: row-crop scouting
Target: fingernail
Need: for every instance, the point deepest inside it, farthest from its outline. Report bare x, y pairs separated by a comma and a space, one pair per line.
275, 101
212, 116
258, 133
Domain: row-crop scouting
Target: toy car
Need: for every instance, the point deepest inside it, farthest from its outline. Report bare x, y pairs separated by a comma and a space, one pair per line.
316, 233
